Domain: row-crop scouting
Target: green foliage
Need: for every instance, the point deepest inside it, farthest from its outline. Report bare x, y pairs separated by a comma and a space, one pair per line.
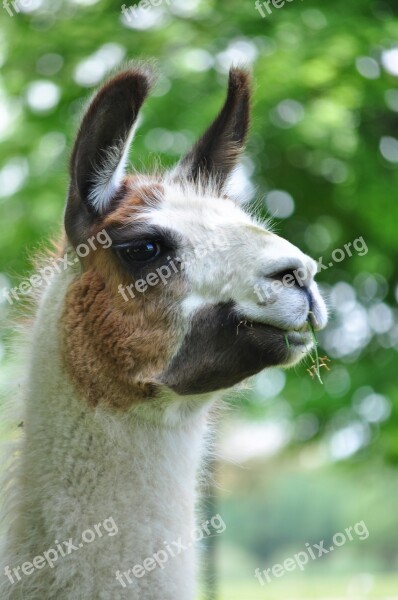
317, 128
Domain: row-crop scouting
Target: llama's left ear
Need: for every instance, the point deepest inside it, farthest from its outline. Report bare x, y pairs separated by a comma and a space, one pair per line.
216, 153
101, 149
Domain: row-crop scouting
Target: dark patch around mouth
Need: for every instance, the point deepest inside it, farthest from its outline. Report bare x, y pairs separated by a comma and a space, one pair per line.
221, 350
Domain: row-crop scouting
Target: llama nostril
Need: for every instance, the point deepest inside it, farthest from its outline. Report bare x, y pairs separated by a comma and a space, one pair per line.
291, 277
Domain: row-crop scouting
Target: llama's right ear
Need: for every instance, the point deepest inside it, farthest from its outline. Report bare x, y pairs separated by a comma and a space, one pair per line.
101, 148
214, 156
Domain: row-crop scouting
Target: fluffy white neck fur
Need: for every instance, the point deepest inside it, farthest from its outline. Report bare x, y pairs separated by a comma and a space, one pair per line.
80, 467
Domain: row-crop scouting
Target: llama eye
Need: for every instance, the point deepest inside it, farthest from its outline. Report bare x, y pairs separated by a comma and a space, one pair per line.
141, 252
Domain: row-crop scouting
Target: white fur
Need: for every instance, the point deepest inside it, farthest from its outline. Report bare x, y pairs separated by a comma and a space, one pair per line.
109, 176
140, 469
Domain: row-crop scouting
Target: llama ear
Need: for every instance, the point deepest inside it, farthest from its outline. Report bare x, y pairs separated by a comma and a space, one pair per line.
216, 153
101, 149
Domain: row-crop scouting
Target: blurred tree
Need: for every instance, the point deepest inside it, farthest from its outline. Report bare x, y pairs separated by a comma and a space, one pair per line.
322, 161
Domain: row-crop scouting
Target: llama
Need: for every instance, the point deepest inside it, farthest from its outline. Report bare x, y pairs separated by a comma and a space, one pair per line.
121, 385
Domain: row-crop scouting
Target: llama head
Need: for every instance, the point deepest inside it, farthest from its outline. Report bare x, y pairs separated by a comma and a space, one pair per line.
193, 294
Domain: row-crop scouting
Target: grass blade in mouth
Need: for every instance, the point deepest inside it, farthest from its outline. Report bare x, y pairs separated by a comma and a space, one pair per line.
316, 368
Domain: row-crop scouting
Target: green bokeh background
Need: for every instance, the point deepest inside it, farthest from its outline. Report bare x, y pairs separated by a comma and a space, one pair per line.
324, 135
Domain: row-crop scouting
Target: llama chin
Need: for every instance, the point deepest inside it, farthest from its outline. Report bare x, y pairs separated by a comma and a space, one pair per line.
121, 384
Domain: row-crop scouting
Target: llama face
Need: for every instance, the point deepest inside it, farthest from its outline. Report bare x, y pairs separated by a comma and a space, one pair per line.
238, 315
197, 294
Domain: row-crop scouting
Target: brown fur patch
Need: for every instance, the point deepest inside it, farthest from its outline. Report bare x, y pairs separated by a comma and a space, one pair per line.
136, 197
114, 350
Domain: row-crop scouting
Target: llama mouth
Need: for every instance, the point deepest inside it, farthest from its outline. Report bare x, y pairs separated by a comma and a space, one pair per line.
299, 338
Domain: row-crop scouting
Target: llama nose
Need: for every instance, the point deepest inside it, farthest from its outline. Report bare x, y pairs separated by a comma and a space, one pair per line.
300, 277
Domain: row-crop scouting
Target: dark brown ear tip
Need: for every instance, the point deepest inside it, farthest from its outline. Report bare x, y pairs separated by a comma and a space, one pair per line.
142, 73
239, 79
136, 80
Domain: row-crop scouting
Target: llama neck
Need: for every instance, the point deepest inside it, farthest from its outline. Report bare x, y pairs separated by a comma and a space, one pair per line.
83, 467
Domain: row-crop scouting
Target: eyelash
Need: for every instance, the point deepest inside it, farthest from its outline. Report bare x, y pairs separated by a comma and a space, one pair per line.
142, 252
